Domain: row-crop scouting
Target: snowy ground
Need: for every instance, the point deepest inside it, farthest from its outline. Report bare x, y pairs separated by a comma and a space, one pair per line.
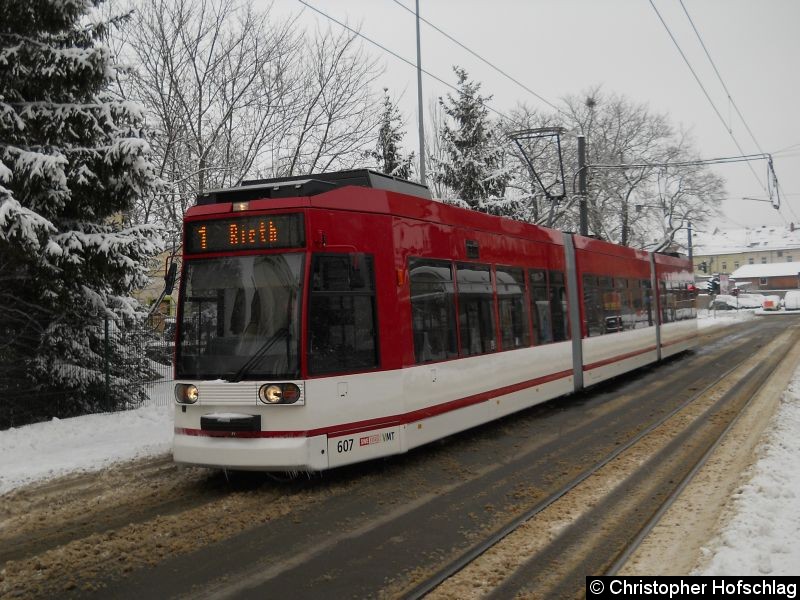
763, 535
760, 539
89, 443
763, 532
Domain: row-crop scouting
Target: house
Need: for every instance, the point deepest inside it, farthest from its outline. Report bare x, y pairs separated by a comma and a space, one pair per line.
763, 277
725, 251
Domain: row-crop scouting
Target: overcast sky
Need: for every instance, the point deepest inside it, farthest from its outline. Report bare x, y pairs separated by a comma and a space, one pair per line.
563, 47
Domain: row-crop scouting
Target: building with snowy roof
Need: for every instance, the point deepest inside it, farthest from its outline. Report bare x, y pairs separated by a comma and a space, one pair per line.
775, 276
725, 251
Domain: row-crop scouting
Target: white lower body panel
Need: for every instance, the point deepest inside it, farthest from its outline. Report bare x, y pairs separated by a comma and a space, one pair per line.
678, 337
257, 454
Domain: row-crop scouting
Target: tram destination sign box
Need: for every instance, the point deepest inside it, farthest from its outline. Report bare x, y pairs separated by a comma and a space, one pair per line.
245, 233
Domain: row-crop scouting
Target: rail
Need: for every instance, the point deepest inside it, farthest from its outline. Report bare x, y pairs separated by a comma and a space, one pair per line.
515, 584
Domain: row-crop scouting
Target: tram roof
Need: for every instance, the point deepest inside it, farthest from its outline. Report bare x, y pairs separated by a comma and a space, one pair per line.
325, 190
311, 185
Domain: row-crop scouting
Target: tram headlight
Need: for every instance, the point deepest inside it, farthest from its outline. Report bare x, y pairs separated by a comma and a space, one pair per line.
279, 393
186, 393
271, 394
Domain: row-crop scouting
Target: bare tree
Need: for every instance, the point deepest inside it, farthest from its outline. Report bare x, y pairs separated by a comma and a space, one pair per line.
628, 205
679, 195
216, 78
541, 152
618, 131
236, 93
337, 114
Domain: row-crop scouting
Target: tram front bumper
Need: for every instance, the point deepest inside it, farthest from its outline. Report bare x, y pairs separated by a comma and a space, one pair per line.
251, 453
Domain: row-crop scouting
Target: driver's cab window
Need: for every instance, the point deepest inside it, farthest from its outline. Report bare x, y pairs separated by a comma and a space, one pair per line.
342, 329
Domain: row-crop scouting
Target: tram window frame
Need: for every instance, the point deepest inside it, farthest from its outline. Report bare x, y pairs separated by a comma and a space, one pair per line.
549, 307
478, 305
593, 305
667, 302
650, 302
351, 352
648, 314
609, 305
514, 308
636, 304
540, 308
686, 306
557, 290
443, 344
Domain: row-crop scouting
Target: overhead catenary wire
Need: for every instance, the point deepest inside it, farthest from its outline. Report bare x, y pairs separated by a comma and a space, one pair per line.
703, 88
742, 158
397, 56
786, 149
685, 163
482, 59
721, 80
731, 100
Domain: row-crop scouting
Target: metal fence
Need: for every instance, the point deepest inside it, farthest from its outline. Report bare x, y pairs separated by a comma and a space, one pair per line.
160, 352
123, 367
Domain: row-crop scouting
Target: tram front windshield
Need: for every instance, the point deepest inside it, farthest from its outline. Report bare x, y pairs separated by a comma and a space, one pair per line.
240, 318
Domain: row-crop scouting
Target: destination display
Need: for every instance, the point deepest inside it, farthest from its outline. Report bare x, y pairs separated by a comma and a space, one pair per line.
245, 233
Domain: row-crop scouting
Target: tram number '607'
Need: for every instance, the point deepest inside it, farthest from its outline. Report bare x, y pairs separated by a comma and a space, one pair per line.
344, 446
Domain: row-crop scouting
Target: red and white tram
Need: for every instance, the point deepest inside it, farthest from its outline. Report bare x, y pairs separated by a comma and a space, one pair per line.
340, 317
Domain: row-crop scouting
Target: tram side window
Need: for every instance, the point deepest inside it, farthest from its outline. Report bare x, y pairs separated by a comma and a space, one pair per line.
685, 303
593, 305
609, 304
342, 332
612, 304
549, 306
475, 309
514, 332
635, 308
433, 313
558, 306
540, 307
667, 298
647, 317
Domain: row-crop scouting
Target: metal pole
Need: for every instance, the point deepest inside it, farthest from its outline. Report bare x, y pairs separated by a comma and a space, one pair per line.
419, 108
584, 210
689, 230
107, 363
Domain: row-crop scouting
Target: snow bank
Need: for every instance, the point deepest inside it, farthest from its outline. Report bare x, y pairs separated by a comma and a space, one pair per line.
91, 442
761, 537
722, 318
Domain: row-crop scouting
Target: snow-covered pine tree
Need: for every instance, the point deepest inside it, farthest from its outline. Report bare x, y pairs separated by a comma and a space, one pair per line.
387, 153
474, 170
72, 159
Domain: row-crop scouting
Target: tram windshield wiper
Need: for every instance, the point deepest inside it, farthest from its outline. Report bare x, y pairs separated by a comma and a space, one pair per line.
258, 355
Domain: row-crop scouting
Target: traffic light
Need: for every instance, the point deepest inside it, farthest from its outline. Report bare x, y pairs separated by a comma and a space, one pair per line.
703, 267
713, 285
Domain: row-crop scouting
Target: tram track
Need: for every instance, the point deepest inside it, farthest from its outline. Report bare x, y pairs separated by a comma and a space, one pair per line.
370, 530
602, 537
479, 549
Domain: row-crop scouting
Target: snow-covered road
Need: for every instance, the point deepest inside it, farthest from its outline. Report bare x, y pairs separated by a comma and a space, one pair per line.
762, 537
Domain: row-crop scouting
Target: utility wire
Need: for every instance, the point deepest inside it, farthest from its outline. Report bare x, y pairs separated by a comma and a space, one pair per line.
481, 58
702, 87
733, 103
786, 149
725, 87
397, 56
685, 163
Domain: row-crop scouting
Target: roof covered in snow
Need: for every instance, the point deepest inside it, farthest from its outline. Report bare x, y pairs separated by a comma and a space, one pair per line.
730, 241
769, 270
